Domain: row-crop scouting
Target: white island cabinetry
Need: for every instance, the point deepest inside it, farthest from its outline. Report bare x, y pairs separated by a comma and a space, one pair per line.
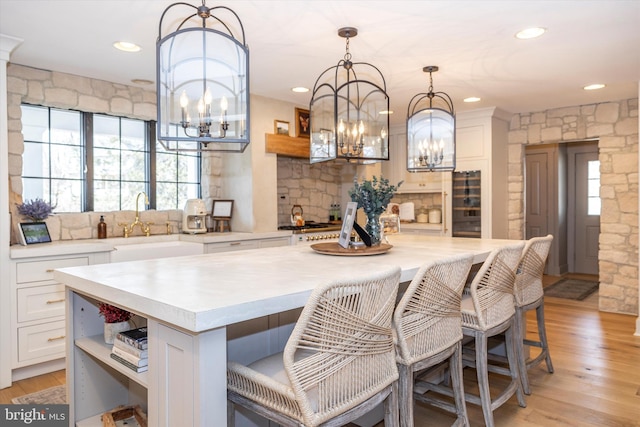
193, 306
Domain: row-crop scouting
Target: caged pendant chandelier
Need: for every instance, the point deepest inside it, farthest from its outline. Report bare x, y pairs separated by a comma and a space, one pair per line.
349, 111
431, 130
202, 75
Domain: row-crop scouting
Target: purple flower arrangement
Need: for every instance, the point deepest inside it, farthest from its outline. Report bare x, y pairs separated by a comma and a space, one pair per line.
36, 209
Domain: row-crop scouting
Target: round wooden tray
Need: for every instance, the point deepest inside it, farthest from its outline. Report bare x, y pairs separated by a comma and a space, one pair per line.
333, 248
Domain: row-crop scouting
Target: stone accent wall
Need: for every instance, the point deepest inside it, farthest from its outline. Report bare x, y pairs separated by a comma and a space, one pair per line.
615, 125
315, 187
60, 90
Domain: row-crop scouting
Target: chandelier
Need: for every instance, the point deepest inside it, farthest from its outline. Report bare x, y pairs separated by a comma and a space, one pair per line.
431, 125
202, 75
349, 111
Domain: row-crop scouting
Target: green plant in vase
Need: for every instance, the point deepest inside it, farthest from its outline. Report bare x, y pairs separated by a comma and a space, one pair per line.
373, 196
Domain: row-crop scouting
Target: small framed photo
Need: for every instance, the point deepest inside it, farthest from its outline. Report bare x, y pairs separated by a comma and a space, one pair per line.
34, 232
303, 128
281, 127
347, 224
222, 209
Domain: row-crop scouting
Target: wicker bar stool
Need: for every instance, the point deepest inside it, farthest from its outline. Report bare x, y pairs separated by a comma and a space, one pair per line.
530, 295
428, 328
488, 310
338, 364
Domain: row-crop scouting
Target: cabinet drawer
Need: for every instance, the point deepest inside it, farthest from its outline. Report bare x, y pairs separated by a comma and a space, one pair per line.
40, 302
231, 246
273, 243
41, 341
37, 271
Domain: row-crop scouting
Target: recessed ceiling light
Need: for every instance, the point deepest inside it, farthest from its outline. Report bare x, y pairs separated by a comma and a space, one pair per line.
387, 112
471, 99
144, 82
126, 46
300, 89
594, 86
530, 33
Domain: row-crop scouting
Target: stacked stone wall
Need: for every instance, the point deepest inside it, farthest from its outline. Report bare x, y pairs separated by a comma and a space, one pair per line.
66, 91
615, 126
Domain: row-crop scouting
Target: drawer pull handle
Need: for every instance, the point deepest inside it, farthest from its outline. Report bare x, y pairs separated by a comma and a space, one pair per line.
234, 243
55, 301
61, 337
49, 270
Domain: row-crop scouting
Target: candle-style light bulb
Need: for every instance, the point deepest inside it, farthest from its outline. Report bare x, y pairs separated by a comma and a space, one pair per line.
207, 97
184, 103
361, 127
383, 133
184, 99
201, 106
224, 104
341, 127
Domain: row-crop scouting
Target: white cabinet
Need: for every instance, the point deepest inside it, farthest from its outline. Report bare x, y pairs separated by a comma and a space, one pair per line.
482, 145
396, 169
38, 312
416, 183
240, 245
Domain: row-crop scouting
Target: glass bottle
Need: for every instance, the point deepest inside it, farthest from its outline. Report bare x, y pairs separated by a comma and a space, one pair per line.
102, 228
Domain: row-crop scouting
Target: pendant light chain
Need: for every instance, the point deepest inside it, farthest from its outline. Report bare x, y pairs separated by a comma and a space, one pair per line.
347, 54
430, 82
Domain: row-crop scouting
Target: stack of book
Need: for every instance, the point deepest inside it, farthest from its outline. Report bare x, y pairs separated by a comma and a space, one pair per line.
130, 349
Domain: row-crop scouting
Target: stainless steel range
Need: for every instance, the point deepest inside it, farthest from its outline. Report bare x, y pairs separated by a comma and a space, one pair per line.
313, 232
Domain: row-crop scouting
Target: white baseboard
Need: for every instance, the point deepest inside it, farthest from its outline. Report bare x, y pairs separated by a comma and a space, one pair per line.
39, 369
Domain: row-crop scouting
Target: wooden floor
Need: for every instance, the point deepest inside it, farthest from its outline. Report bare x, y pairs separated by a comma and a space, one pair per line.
596, 380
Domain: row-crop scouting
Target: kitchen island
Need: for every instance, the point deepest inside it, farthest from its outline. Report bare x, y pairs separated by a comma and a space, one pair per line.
189, 304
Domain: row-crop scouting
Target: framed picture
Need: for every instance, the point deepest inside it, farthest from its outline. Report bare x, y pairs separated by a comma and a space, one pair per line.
222, 209
34, 232
303, 128
281, 127
347, 224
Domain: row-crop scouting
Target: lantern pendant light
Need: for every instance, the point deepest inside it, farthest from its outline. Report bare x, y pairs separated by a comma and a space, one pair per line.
202, 75
431, 130
349, 111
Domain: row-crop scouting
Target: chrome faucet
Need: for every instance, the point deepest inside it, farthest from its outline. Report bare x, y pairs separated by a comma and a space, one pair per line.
144, 226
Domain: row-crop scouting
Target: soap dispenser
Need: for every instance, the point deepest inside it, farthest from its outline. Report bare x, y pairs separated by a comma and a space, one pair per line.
102, 228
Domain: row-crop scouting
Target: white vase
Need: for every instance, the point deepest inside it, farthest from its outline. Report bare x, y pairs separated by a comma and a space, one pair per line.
112, 329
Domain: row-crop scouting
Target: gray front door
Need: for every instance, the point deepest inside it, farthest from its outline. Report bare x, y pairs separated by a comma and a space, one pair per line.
584, 200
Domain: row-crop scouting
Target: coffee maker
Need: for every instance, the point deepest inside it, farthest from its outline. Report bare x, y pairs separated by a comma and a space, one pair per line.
194, 217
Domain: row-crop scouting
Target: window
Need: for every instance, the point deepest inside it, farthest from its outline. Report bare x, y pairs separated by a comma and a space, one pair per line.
594, 203
94, 162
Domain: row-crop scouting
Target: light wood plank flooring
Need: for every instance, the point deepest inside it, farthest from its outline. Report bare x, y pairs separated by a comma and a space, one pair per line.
596, 380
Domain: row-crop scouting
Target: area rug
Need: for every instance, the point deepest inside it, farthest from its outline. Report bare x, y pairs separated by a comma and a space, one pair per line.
571, 289
53, 395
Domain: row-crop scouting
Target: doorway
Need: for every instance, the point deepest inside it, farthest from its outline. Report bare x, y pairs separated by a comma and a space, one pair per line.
562, 197
583, 207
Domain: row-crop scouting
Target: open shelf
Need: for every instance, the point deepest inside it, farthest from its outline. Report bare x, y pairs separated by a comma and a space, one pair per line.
96, 347
287, 145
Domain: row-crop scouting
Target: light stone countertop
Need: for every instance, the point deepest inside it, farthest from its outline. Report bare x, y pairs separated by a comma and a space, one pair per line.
203, 292
68, 247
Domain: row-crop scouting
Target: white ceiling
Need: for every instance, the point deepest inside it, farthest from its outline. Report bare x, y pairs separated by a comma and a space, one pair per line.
292, 42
